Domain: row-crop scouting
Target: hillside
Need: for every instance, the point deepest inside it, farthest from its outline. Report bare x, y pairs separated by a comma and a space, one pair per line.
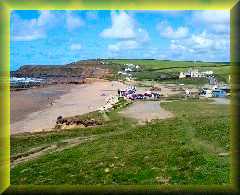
151, 69
156, 69
88, 68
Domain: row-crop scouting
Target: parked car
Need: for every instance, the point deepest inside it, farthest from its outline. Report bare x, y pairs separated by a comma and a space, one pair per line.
148, 94
206, 93
139, 96
156, 95
219, 93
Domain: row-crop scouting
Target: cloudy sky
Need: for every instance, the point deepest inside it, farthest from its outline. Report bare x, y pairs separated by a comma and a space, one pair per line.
59, 37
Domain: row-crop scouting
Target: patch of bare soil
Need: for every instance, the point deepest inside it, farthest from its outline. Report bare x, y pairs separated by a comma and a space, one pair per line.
146, 111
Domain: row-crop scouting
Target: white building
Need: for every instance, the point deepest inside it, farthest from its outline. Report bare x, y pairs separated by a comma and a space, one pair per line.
182, 75
128, 70
194, 73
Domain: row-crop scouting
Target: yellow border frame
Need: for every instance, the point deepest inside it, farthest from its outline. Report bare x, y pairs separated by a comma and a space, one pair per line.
6, 6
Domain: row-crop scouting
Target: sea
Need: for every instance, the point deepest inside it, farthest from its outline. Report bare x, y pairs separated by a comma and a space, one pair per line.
20, 81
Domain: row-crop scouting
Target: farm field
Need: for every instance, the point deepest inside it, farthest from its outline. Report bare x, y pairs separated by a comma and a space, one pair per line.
153, 69
190, 148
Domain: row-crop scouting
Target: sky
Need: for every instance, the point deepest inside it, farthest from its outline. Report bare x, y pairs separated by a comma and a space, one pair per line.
60, 37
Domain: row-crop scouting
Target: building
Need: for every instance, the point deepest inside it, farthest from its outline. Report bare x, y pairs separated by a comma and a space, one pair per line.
194, 73
182, 75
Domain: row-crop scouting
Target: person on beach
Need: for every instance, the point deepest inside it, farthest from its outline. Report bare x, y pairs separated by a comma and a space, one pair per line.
50, 101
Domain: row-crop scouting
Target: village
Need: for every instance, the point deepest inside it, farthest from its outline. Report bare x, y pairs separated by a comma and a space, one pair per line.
118, 99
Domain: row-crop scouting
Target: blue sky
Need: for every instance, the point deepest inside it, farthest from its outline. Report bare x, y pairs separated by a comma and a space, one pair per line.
60, 37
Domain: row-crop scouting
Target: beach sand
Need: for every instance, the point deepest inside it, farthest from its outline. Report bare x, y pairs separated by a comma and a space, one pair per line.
31, 110
28, 101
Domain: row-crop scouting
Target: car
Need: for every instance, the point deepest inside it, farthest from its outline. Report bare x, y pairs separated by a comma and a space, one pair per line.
156, 95
139, 96
148, 94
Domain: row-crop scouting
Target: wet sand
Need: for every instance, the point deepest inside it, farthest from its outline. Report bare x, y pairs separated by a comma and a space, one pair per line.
28, 101
32, 112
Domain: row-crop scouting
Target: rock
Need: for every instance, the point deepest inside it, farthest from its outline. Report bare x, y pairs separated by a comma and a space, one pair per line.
59, 118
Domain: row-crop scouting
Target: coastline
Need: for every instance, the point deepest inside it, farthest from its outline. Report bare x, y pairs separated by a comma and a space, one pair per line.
31, 111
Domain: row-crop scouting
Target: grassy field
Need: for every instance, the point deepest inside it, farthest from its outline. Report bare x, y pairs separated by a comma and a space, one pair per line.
181, 150
155, 69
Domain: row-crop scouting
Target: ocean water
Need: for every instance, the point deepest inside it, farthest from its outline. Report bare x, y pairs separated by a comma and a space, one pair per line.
25, 80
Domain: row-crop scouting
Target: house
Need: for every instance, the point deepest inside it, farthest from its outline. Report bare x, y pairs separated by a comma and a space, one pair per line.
194, 73
182, 75
137, 67
207, 73
189, 74
128, 70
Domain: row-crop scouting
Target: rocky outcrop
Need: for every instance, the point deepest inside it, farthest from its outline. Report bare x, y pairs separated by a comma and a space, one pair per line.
68, 123
81, 69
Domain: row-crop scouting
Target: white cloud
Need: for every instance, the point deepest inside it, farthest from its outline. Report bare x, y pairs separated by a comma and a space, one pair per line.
215, 20
33, 29
213, 16
126, 31
123, 45
212, 44
75, 46
202, 43
73, 21
122, 26
167, 31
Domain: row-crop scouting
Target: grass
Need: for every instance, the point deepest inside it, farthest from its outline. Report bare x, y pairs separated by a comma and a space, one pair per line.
198, 81
163, 69
180, 150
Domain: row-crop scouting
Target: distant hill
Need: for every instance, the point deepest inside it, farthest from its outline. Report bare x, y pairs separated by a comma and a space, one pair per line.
108, 68
85, 68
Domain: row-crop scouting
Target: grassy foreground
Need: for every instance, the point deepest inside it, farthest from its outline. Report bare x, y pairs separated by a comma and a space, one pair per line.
180, 150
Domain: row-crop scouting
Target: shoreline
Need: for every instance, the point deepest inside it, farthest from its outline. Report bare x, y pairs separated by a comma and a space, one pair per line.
25, 102
72, 100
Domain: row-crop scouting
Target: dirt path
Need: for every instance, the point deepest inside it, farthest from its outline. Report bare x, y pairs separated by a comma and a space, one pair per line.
145, 111
57, 147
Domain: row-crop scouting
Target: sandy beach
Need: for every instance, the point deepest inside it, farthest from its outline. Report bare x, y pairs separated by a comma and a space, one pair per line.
32, 110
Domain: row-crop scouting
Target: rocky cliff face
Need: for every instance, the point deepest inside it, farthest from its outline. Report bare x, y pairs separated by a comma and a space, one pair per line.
86, 68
